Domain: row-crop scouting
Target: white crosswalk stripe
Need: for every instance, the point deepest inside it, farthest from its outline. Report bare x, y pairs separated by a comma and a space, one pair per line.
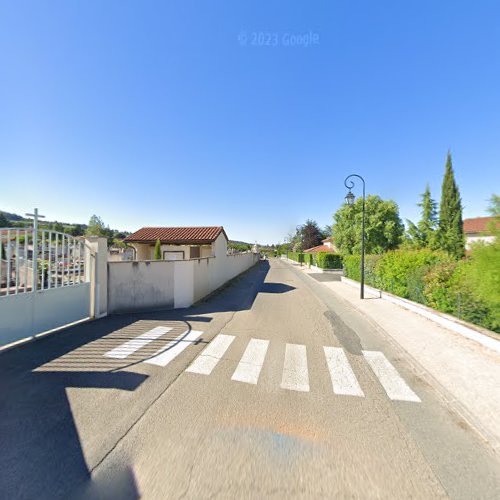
208, 359
395, 387
248, 369
343, 379
173, 348
295, 374
133, 345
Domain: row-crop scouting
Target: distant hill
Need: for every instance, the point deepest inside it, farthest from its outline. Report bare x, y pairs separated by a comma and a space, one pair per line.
12, 217
236, 242
19, 218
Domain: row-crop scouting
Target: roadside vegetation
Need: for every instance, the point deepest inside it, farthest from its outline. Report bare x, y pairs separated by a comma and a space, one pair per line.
430, 265
426, 263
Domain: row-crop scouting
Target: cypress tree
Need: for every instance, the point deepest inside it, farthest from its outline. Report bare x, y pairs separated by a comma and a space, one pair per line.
157, 250
451, 230
427, 224
423, 234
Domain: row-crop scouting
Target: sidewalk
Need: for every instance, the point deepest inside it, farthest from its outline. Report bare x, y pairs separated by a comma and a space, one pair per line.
466, 373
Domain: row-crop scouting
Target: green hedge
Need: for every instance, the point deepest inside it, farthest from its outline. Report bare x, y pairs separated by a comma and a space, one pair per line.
325, 260
466, 289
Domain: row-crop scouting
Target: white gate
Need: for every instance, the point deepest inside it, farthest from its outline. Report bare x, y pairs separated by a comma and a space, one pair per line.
45, 282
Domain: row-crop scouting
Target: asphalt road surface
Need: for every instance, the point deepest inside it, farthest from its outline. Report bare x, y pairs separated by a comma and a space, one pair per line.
271, 388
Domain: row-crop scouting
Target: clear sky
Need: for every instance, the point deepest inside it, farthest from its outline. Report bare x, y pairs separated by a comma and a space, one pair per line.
206, 113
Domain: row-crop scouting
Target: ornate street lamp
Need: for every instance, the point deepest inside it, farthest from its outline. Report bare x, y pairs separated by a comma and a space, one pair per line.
349, 199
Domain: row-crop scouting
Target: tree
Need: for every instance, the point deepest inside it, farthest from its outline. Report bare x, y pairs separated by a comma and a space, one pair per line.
96, 227
383, 227
310, 234
451, 230
494, 208
57, 226
4, 222
423, 235
76, 230
157, 255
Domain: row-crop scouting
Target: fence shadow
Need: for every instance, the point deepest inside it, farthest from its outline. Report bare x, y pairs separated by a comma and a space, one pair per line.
41, 452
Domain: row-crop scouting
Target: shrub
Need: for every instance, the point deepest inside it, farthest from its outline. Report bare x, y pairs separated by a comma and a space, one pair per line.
327, 260
157, 253
438, 284
394, 269
352, 268
468, 289
483, 275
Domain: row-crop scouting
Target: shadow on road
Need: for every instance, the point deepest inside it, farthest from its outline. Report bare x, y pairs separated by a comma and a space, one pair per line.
41, 453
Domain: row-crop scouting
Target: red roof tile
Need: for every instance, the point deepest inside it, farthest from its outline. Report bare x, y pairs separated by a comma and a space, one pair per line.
320, 248
477, 225
177, 235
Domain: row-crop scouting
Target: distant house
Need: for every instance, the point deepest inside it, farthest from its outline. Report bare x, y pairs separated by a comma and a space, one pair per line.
478, 229
179, 243
326, 246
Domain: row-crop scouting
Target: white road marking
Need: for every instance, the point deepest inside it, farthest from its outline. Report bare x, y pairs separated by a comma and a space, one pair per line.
173, 348
395, 387
295, 374
208, 359
250, 365
343, 379
128, 348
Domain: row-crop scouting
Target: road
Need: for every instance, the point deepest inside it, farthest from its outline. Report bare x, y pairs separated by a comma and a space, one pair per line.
271, 388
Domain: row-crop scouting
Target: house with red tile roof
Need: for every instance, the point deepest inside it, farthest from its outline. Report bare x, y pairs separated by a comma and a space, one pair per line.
478, 229
326, 246
179, 243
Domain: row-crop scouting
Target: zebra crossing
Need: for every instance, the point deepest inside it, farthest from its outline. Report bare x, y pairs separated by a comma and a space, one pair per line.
295, 375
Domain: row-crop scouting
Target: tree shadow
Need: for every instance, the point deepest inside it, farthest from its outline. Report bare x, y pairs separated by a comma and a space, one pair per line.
275, 288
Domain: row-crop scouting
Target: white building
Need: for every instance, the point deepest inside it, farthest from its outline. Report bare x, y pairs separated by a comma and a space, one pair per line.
478, 229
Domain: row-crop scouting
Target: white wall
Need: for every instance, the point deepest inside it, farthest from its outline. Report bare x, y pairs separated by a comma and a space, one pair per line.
470, 240
134, 286
27, 314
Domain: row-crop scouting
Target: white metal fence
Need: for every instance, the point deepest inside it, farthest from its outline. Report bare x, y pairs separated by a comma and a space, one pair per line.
33, 260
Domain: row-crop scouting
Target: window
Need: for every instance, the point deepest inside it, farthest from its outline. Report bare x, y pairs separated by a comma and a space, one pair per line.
194, 253
173, 255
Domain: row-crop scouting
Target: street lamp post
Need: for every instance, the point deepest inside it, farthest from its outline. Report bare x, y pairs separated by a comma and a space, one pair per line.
349, 184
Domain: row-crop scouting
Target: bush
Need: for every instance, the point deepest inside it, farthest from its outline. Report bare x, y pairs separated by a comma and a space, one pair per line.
395, 269
483, 276
440, 287
468, 289
327, 260
294, 256
352, 268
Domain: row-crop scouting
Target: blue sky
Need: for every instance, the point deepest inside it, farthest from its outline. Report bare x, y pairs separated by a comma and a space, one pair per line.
173, 113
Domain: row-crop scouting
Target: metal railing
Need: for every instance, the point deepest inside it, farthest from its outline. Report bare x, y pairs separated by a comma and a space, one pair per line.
32, 260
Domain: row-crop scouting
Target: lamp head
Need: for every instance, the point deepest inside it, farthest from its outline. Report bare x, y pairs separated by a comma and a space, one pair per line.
349, 199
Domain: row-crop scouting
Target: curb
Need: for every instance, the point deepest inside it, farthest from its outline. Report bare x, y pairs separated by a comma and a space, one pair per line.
477, 334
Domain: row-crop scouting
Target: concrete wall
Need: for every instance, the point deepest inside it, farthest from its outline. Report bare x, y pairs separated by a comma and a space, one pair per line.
134, 286
470, 240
